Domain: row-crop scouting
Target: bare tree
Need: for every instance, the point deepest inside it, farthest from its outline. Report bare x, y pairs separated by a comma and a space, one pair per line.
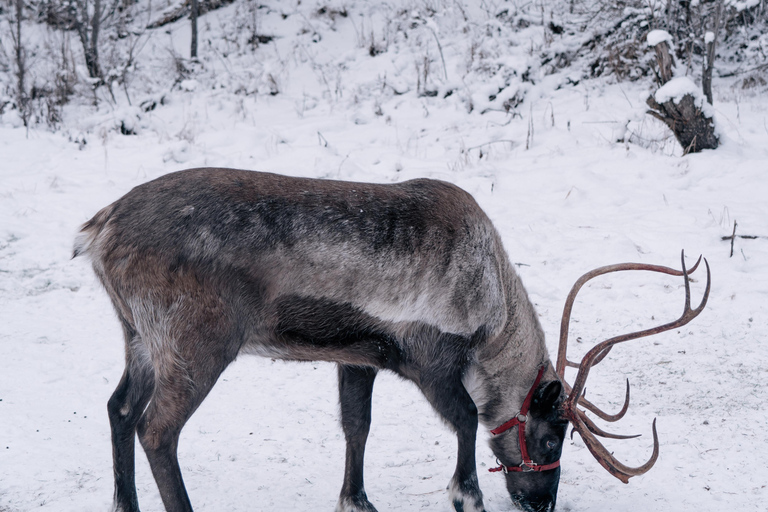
193, 18
87, 23
20, 62
710, 42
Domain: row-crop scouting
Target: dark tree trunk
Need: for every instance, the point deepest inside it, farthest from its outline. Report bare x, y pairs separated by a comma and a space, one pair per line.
88, 27
665, 61
692, 128
92, 53
92, 62
193, 17
20, 60
709, 61
20, 65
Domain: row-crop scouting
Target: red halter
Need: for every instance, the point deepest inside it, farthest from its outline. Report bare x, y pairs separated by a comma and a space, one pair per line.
519, 421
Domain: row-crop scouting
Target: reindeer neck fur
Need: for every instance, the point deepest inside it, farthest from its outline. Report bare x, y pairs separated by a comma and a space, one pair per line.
506, 366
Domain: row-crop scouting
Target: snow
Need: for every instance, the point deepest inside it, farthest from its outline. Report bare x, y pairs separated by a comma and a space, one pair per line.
679, 87
709, 37
655, 37
741, 5
268, 438
676, 88
189, 85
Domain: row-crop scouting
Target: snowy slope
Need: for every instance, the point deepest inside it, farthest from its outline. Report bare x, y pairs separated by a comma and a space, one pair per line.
565, 196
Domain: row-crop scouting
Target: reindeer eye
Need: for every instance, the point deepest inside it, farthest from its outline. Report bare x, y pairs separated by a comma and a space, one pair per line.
551, 445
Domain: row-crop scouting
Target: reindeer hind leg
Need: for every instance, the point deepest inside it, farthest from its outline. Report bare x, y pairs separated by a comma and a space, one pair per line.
189, 348
125, 407
355, 392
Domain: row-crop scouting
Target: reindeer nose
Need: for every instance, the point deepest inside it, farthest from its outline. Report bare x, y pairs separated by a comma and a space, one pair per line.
548, 506
545, 503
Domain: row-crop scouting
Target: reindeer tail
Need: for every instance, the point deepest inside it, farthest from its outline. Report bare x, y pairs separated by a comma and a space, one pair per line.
90, 231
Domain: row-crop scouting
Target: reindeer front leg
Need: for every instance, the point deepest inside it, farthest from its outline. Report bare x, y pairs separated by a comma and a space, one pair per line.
355, 391
451, 400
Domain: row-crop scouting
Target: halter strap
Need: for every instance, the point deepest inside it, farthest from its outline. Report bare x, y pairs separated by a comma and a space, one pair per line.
519, 421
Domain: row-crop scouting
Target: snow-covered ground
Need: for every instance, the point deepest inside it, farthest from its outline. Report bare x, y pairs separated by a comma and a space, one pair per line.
565, 196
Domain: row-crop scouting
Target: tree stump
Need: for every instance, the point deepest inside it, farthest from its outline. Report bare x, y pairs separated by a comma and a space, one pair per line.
682, 107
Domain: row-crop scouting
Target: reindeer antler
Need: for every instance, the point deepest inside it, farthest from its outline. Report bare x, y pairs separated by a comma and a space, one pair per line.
581, 423
562, 360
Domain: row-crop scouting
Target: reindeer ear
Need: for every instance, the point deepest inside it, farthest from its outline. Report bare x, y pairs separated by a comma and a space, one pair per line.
547, 395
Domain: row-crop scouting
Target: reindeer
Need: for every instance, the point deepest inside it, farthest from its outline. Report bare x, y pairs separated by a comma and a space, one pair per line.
206, 264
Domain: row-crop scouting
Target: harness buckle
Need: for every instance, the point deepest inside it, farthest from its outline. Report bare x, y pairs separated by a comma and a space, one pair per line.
528, 466
522, 418
502, 466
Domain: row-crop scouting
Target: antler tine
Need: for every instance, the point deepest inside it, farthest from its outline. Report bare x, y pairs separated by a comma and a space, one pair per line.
602, 356
597, 411
608, 461
597, 360
597, 430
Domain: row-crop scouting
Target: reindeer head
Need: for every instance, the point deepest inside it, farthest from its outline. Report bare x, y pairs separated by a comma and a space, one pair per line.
541, 424
538, 438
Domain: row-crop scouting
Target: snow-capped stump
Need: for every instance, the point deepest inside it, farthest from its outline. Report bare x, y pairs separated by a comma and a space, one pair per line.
679, 103
655, 37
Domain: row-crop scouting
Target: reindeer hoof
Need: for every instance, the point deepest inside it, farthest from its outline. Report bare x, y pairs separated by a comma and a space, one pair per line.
357, 503
459, 507
466, 497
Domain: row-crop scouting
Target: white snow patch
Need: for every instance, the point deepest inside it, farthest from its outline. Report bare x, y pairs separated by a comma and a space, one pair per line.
189, 85
677, 88
12, 119
657, 36
127, 119
741, 5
